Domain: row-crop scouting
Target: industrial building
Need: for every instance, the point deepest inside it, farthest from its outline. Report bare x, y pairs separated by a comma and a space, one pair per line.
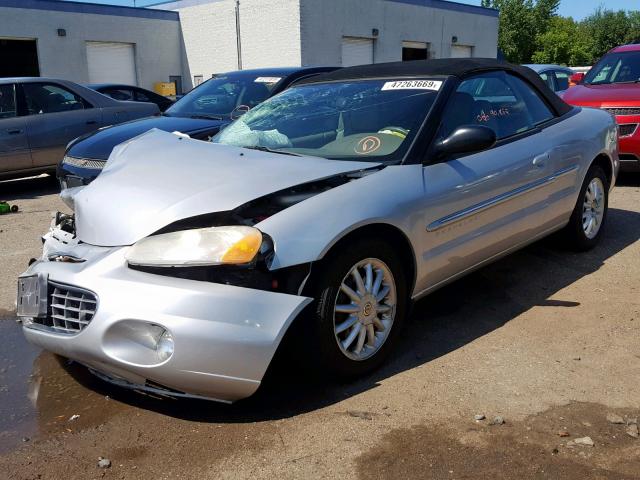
188, 41
221, 35
89, 43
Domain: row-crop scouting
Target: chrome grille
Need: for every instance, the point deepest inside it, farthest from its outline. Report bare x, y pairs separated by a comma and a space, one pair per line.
70, 309
84, 162
628, 129
623, 110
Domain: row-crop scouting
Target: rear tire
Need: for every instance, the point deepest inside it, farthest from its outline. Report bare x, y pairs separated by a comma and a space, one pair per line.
361, 294
590, 213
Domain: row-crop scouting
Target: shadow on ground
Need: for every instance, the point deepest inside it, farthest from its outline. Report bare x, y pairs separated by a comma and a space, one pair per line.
442, 322
31, 187
628, 179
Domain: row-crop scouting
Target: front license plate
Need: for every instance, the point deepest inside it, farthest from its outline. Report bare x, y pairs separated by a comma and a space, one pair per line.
32, 296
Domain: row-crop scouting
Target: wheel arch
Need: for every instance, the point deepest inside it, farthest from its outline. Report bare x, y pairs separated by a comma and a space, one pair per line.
390, 233
605, 162
288, 348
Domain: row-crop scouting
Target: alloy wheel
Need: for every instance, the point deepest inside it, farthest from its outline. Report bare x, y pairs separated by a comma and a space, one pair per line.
364, 309
593, 208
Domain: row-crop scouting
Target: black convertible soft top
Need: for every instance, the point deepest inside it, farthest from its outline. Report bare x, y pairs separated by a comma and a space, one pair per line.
458, 67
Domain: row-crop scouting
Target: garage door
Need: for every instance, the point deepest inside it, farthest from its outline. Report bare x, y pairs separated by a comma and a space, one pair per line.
461, 51
356, 51
111, 62
18, 58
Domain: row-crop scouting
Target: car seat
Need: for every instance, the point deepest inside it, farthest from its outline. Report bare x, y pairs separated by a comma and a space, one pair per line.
254, 94
55, 102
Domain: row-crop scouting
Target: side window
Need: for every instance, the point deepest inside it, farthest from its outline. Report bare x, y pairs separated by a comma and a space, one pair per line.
603, 74
119, 94
141, 96
49, 98
547, 77
497, 100
536, 108
562, 79
7, 101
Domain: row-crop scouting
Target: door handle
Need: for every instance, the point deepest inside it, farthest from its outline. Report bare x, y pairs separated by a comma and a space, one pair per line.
91, 122
14, 131
541, 160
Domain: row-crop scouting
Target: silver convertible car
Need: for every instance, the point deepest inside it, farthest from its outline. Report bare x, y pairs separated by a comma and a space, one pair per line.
329, 207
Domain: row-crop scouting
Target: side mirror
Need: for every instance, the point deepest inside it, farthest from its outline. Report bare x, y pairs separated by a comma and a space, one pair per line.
575, 79
466, 139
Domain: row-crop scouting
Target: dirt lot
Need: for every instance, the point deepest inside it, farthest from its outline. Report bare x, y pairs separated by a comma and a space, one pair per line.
546, 339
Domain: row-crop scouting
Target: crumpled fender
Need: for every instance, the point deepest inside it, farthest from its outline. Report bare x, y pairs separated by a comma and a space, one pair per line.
305, 232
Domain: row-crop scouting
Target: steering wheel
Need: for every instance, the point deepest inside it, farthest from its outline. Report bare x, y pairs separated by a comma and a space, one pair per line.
239, 111
393, 130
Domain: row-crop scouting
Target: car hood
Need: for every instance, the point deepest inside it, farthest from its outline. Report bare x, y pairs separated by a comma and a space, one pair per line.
159, 178
612, 95
98, 145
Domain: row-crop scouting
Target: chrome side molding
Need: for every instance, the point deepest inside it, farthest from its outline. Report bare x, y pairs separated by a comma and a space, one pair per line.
497, 200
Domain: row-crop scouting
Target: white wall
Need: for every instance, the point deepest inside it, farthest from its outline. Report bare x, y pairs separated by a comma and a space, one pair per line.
209, 35
324, 23
270, 34
157, 42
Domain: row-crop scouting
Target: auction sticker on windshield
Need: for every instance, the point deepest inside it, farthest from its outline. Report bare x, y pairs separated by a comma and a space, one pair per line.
413, 85
267, 79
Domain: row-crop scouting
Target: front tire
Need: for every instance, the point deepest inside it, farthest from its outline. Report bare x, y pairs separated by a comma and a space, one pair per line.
590, 213
362, 299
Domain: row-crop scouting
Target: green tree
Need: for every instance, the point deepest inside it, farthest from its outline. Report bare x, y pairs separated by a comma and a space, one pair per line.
633, 34
531, 31
521, 23
606, 29
562, 43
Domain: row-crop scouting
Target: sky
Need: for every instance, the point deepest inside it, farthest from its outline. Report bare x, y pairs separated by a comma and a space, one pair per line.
577, 9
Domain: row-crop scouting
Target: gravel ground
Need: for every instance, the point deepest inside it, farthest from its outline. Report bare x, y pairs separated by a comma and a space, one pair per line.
548, 340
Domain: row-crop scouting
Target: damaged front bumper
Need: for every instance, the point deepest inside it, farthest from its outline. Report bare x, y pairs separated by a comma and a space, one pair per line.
105, 315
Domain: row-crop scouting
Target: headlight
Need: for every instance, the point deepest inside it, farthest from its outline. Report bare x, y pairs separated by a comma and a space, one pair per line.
204, 246
164, 346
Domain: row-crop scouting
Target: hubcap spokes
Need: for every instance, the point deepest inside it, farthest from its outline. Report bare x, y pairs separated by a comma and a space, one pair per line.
593, 208
364, 309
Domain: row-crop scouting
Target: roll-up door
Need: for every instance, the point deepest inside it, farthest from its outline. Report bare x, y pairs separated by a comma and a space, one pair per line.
111, 62
461, 51
356, 51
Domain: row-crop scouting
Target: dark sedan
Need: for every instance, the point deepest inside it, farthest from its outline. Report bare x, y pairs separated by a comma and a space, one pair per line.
131, 93
39, 116
200, 114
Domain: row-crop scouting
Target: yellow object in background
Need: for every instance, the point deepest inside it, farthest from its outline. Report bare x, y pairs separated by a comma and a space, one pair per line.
165, 88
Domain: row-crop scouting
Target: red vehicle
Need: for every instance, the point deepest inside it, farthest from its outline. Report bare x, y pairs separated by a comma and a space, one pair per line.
613, 84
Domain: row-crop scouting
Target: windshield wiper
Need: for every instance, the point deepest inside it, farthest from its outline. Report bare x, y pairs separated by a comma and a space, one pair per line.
261, 148
206, 117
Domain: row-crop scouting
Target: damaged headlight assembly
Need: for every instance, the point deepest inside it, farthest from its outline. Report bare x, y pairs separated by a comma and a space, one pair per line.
227, 245
231, 255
